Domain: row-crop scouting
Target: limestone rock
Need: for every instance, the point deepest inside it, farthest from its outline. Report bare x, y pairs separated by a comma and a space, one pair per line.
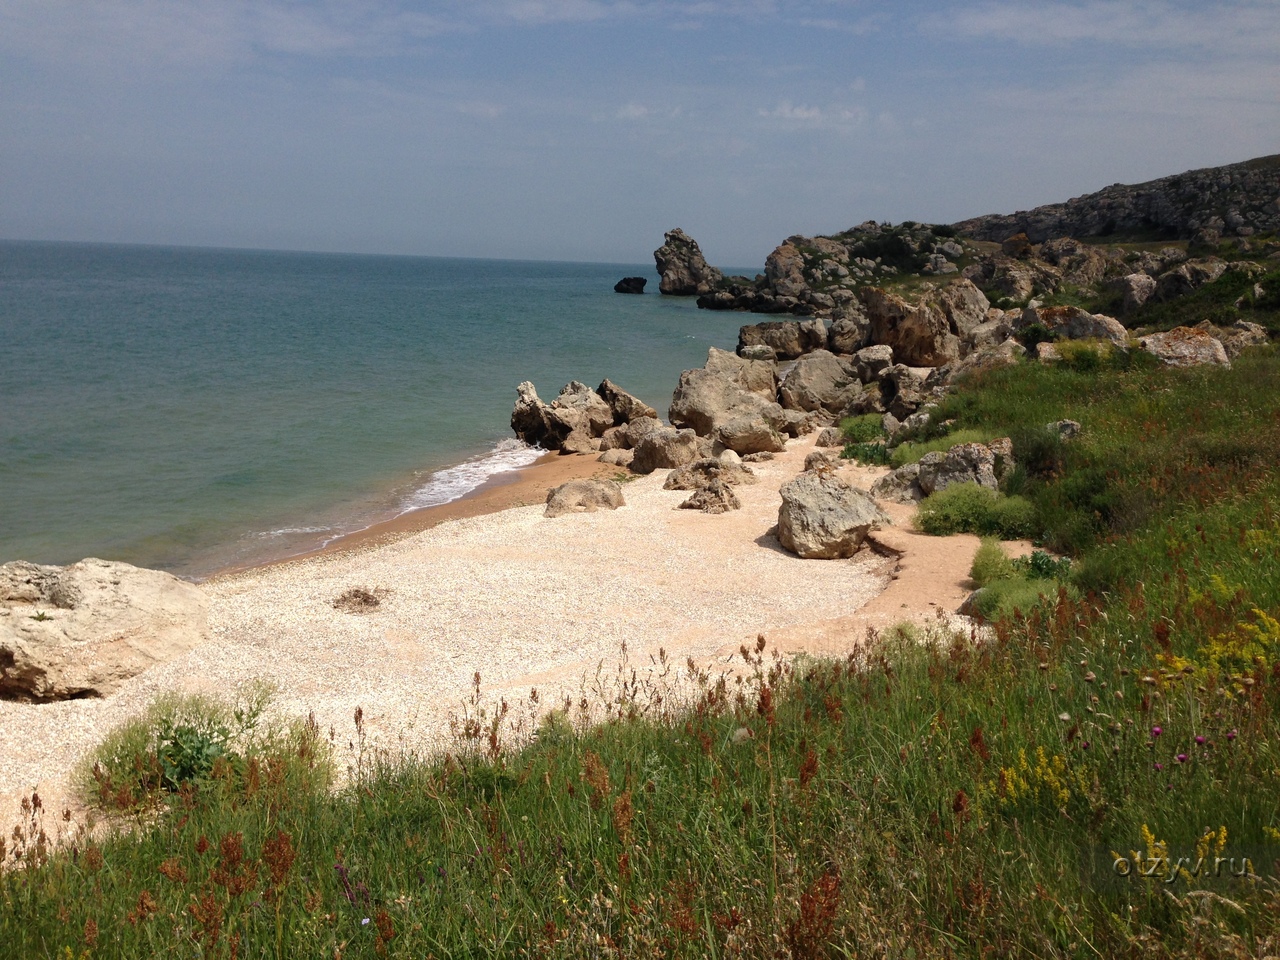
963, 463
1074, 323
1017, 246
787, 339
83, 629
849, 334
700, 473
965, 307
824, 517
755, 376
1137, 289
900, 485
820, 381
830, 437
1185, 347
664, 448
715, 497
617, 457
871, 362
625, 407
584, 496
684, 270
704, 400
821, 460
750, 434
920, 334
630, 285
1187, 277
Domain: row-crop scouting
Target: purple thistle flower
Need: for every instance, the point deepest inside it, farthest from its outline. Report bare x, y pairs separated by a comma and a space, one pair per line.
1156, 731
1233, 734
1159, 766
1182, 758
1200, 741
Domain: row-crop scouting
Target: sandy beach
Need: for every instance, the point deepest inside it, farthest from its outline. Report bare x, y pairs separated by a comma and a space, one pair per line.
489, 585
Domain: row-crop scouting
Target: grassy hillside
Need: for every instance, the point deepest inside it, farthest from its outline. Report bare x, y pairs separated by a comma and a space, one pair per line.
1025, 790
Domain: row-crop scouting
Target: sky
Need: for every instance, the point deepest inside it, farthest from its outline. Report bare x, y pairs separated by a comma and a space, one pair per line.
583, 129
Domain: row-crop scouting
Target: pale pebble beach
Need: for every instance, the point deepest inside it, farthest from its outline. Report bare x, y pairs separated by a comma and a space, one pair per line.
521, 599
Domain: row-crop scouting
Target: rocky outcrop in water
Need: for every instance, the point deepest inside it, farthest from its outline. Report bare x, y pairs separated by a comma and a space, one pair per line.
684, 270
83, 629
630, 285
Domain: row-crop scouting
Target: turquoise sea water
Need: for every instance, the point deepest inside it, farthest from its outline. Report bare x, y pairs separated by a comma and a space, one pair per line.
194, 409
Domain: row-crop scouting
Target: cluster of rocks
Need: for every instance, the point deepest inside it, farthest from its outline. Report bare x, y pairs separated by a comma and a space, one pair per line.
579, 420
1239, 200
807, 276
83, 629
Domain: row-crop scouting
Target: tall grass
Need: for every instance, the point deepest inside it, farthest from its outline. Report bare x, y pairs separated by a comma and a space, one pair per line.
1023, 790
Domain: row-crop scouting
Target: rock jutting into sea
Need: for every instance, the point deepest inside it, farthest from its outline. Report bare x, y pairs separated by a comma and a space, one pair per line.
684, 270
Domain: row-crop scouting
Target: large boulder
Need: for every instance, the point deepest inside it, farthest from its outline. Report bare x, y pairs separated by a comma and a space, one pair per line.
82, 630
1074, 323
529, 417
849, 334
1239, 335
1185, 347
899, 486
584, 496
704, 400
823, 517
750, 434
578, 419
684, 270
920, 334
820, 381
963, 463
902, 390
784, 271
1187, 277
965, 307
870, 362
664, 449
787, 339
756, 376
1135, 290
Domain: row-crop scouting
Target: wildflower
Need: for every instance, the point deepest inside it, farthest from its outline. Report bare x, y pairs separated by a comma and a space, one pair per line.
1200, 741
364, 922
1085, 745
1064, 717
1156, 731
1159, 766
1182, 758
1233, 734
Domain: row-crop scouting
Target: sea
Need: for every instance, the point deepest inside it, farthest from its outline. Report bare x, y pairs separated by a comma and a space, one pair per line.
196, 410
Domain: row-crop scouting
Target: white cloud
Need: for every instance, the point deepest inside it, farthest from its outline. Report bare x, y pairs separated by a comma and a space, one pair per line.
812, 116
1152, 24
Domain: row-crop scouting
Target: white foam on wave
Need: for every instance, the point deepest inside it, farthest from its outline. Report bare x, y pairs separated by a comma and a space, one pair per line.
287, 531
453, 483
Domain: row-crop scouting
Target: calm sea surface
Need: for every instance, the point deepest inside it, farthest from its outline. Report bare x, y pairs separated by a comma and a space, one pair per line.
194, 409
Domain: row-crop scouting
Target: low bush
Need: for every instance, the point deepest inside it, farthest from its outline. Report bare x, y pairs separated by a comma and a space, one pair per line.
991, 563
969, 508
865, 428
868, 453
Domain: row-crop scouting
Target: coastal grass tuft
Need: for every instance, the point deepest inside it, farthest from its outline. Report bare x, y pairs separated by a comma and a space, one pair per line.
910, 451
1091, 774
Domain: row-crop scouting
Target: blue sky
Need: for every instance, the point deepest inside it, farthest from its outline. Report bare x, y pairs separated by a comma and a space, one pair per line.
582, 129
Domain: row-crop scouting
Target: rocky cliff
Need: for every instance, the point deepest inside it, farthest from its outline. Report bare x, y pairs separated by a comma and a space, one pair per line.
1238, 200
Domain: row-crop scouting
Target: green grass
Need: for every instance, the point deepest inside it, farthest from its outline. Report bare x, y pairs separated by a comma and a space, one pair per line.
959, 794
969, 508
1216, 302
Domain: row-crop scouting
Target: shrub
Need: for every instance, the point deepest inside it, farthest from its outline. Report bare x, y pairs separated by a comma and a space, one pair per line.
991, 563
1006, 598
1043, 566
870, 453
862, 429
969, 508
1084, 356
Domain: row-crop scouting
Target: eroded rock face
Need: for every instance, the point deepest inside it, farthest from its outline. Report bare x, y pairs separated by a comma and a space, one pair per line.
1186, 347
965, 307
584, 496
625, 407
716, 497
1189, 276
755, 376
701, 472
578, 419
82, 630
684, 270
1073, 323
786, 339
823, 517
919, 334
820, 381
1137, 289
703, 401
963, 463
630, 285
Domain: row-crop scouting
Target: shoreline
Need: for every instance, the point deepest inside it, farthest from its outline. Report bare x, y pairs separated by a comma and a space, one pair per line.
517, 487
